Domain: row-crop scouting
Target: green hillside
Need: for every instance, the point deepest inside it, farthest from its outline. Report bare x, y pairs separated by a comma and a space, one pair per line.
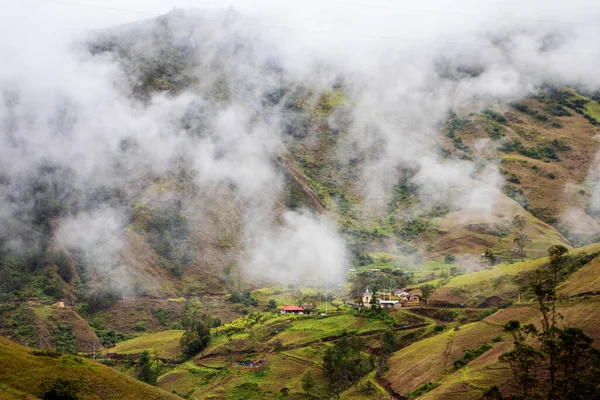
35, 372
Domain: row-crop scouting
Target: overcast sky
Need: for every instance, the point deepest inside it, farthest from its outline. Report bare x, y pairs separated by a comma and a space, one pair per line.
56, 16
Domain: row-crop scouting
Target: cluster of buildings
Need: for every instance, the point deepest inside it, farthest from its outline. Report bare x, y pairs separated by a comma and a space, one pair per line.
397, 298
393, 299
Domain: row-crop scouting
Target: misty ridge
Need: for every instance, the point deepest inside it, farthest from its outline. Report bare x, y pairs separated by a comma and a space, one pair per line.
181, 134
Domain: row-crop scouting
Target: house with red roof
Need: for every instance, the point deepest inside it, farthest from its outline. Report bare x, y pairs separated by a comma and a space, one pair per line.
292, 310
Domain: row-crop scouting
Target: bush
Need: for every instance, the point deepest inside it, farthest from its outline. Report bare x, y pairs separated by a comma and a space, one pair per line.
140, 327
163, 316
60, 389
455, 124
438, 328
421, 390
63, 339
486, 313
244, 298
471, 354
495, 116
514, 179
102, 299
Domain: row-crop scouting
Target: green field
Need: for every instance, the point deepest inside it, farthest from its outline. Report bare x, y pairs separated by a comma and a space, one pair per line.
314, 329
164, 344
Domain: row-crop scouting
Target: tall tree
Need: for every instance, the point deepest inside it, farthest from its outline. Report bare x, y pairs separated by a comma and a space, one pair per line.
426, 291
521, 240
344, 364
308, 383
197, 332
148, 374
573, 364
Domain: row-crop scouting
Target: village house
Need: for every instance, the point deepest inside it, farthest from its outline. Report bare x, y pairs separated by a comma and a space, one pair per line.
387, 304
401, 293
291, 310
407, 299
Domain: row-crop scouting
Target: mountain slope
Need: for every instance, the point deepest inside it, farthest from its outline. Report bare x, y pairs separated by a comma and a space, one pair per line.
27, 370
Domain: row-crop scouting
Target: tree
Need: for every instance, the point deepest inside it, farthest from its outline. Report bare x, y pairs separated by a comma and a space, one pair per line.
449, 259
272, 305
573, 364
344, 364
375, 306
426, 291
390, 343
524, 359
308, 383
519, 222
148, 374
197, 332
521, 240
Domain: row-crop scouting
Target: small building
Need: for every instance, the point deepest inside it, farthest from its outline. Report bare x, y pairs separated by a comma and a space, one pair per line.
292, 310
401, 293
388, 303
367, 297
414, 298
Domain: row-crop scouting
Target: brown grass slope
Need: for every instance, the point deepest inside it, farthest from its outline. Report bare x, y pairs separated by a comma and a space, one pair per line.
586, 280
431, 360
473, 288
22, 370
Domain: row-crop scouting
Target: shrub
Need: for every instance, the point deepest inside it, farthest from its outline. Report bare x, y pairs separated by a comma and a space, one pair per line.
421, 390
60, 389
244, 298
495, 116
140, 327
486, 313
471, 354
63, 339
163, 316
514, 179
455, 124
46, 353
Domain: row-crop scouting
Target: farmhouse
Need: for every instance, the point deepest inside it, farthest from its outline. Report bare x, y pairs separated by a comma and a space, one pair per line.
292, 310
